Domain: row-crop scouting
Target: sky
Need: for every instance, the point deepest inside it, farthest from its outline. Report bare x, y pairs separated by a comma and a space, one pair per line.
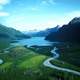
29, 15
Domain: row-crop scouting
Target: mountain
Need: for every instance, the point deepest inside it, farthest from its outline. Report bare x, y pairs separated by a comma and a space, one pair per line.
6, 32
67, 33
75, 20
43, 32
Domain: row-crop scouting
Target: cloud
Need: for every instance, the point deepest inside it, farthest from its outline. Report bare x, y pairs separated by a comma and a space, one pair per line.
4, 2
65, 18
74, 14
34, 9
51, 1
4, 14
48, 2
70, 15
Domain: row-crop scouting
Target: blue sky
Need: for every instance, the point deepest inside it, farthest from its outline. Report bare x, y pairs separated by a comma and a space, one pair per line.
26, 15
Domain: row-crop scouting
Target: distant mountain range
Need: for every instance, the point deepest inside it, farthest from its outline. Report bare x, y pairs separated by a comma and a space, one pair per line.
67, 33
43, 32
10, 33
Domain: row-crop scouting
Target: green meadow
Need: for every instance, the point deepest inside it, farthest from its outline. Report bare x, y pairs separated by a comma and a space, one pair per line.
21, 63
4, 43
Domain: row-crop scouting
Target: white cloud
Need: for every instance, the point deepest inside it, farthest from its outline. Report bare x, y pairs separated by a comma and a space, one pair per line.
44, 2
65, 18
48, 2
4, 14
51, 1
34, 9
74, 14
70, 15
29, 23
4, 2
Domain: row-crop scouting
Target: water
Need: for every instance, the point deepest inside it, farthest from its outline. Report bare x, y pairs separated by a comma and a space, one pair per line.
40, 41
1, 61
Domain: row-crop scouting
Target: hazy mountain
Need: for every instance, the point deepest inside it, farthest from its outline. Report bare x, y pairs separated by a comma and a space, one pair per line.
43, 32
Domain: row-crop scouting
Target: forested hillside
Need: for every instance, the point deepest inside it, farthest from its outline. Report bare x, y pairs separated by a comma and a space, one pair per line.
11, 33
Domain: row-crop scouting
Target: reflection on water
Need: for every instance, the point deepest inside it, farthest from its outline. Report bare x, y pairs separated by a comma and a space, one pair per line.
33, 41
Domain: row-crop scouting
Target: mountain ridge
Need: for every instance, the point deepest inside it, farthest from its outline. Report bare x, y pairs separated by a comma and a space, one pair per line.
67, 33
11, 33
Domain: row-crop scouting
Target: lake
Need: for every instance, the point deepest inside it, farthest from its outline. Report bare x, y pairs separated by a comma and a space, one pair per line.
40, 41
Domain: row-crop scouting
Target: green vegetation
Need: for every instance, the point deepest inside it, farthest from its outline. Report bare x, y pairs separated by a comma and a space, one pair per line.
63, 64
4, 43
62, 74
44, 50
10, 33
32, 62
70, 53
21, 63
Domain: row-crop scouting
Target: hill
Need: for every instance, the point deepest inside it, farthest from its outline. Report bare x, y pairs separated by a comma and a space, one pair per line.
11, 33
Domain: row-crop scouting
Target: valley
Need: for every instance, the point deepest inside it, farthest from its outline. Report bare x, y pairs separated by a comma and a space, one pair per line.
52, 57
26, 63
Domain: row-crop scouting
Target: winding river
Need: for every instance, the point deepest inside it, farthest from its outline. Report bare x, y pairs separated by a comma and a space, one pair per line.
48, 64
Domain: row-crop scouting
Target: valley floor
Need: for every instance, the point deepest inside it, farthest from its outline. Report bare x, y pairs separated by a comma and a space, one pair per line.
22, 63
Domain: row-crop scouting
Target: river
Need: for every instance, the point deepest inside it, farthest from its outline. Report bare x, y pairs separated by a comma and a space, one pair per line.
47, 63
